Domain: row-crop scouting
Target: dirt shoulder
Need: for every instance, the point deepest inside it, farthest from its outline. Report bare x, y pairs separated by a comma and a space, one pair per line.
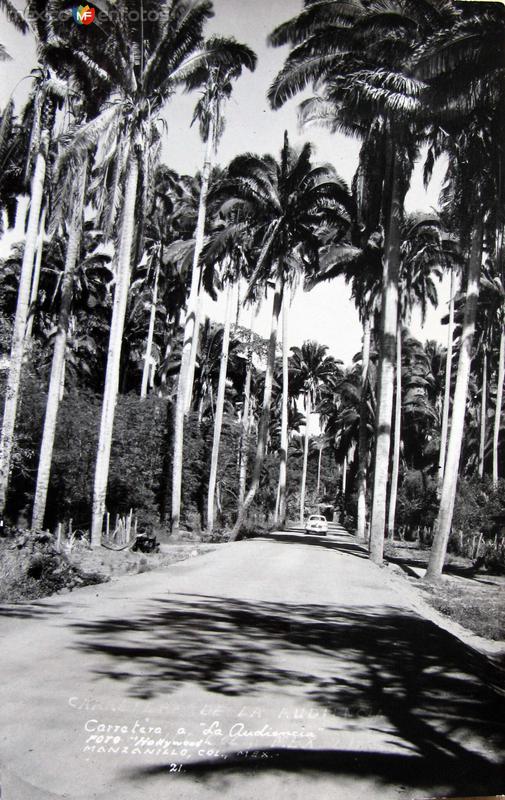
469, 604
32, 566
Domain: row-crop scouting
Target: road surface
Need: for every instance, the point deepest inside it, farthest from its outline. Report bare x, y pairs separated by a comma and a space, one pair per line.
279, 668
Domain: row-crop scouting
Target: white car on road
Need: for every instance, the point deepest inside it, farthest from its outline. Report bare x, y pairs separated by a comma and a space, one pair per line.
317, 524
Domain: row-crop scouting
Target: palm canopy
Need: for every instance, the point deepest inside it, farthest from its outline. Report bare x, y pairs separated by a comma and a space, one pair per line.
359, 57
465, 63
12, 164
215, 80
226, 255
16, 19
422, 261
289, 201
361, 51
340, 409
135, 64
312, 368
361, 266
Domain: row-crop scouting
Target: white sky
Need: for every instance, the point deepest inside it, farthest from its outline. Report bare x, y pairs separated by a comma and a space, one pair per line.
326, 314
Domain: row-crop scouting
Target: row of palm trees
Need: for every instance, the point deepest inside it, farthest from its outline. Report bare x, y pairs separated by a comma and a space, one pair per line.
398, 76
393, 77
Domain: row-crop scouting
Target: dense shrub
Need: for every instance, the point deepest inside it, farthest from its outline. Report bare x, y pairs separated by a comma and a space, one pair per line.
417, 502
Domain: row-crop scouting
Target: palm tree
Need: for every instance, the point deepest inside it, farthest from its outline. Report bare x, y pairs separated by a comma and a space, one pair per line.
216, 79
43, 100
79, 179
312, 368
280, 517
490, 326
225, 246
360, 263
156, 271
218, 415
447, 385
488, 333
361, 56
139, 84
470, 154
475, 161
288, 201
421, 261
254, 346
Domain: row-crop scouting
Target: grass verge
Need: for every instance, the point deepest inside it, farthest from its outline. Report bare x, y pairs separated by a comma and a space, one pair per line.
474, 599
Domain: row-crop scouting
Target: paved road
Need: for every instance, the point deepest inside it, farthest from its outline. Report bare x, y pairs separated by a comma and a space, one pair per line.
275, 668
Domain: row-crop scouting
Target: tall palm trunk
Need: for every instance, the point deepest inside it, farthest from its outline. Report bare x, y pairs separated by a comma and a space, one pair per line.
36, 273
190, 340
483, 414
245, 428
449, 486
199, 318
56, 380
305, 457
389, 317
246, 422
276, 510
20, 320
283, 463
344, 478
319, 460
393, 491
498, 409
265, 411
150, 334
218, 419
363, 430
114, 354
447, 388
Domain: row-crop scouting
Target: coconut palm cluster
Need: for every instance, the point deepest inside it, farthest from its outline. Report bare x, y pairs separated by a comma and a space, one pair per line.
104, 296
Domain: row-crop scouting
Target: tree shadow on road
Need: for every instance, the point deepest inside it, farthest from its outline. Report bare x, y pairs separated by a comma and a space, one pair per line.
399, 673
28, 610
348, 546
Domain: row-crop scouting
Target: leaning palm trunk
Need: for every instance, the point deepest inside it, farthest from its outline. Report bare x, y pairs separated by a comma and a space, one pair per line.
393, 491
483, 414
447, 389
363, 431
265, 411
386, 368
190, 341
305, 458
218, 419
20, 320
36, 273
280, 516
57, 378
449, 486
499, 401
114, 354
150, 335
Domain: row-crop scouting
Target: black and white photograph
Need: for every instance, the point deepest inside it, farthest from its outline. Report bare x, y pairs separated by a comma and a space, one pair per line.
252, 424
